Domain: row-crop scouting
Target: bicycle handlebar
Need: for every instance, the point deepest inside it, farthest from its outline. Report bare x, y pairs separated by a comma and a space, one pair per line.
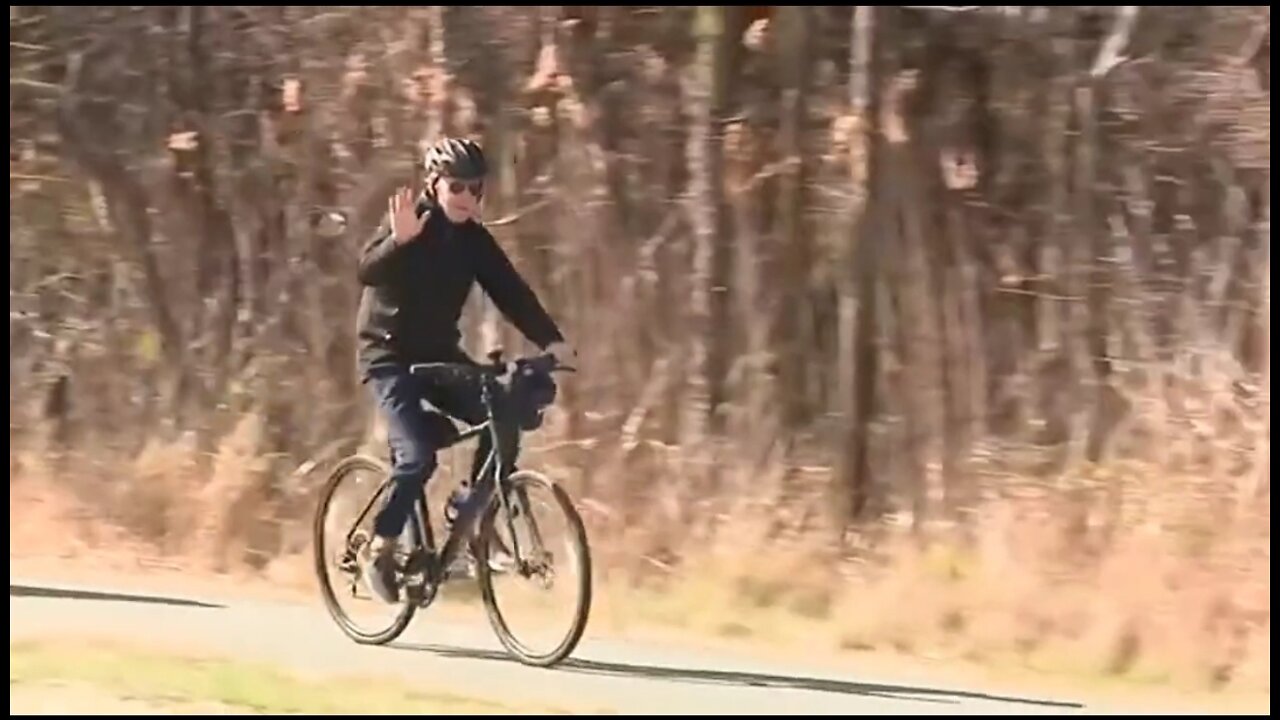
544, 363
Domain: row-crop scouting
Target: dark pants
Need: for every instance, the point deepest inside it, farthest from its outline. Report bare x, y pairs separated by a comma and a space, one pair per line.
416, 434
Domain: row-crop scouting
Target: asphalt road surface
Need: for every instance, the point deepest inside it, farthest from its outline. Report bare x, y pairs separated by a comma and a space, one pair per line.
439, 651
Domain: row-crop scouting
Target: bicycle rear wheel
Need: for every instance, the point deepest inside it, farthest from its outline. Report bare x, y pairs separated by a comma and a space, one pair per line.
548, 530
335, 555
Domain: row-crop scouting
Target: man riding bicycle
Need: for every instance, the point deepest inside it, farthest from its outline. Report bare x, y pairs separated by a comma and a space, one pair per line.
417, 271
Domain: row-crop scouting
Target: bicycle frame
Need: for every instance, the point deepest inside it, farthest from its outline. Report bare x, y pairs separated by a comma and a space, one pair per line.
492, 476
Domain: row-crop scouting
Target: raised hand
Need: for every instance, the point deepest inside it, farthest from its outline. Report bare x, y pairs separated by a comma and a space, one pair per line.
405, 223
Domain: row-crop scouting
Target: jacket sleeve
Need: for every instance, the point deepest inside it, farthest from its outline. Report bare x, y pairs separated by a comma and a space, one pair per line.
512, 295
381, 249
377, 258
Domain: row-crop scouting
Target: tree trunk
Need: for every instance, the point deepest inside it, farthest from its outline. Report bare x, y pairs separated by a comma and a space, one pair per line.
794, 324
861, 139
709, 213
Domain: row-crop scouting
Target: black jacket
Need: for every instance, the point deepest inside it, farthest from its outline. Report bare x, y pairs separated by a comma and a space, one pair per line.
414, 293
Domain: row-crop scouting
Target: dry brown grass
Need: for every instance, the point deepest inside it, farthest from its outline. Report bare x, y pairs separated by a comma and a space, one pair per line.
1157, 605
1126, 570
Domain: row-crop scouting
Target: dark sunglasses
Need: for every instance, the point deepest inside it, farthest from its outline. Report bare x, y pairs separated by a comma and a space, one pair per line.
475, 186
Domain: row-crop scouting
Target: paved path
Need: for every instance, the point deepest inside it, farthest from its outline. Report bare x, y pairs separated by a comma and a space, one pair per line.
606, 675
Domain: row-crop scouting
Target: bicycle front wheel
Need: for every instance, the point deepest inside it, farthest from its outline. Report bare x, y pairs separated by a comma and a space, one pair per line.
534, 569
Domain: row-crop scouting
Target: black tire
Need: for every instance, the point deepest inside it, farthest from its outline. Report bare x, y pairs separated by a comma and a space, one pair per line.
342, 471
577, 532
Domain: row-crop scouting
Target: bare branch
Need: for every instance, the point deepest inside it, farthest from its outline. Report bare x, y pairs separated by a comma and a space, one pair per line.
50, 88
511, 218
38, 178
945, 8
1109, 56
1261, 33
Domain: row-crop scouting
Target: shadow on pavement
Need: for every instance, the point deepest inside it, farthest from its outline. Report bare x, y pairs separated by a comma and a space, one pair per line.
66, 594
746, 679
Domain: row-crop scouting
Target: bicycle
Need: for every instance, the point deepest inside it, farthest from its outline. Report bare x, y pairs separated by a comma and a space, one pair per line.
497, 496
